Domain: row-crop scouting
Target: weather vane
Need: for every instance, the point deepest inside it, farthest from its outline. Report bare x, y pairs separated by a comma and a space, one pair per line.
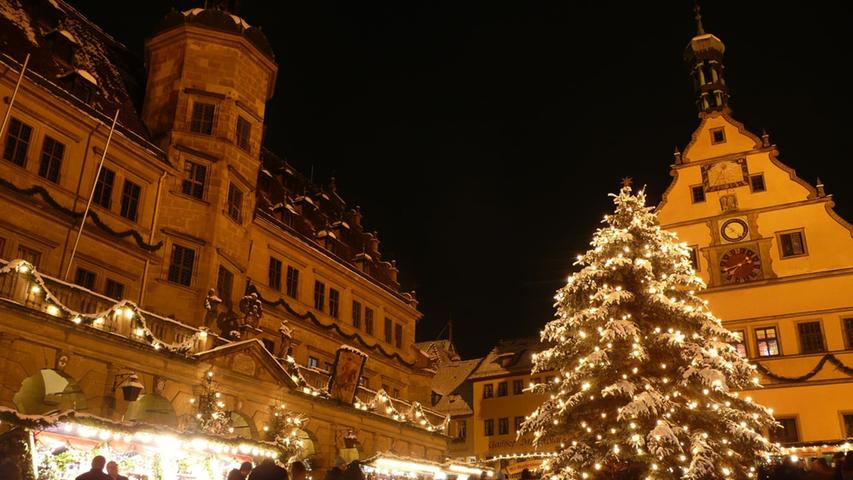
627, 181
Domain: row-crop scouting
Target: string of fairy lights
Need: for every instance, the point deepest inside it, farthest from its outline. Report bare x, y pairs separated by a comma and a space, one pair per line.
382, 402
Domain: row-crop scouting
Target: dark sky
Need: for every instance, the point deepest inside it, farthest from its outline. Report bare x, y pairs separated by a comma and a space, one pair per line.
481, 138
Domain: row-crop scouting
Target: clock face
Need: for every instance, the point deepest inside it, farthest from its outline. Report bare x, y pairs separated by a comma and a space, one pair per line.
734, 230
740, 265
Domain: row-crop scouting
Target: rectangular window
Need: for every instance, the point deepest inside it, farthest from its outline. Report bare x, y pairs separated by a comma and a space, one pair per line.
740, 344
114, 289
195, 175
848, 425
398, 335
202, 120
395, 393
848, 331
319, 295
85, 278
503, 426
30, 255
104, 188
756, 183
235, 202
364, 382
787, 433
356, 314
489, 427
17, 142
334, 302
694, 258
503, 389
518, 422
275, 273
268, 344
130, 194
313, 362
244, 133
224, 284
697, 193
517, 387
388, 330
368, 320
791, 244
488, 390
811, 337
2, 247
718, 135
181, 266
292, 282
461, 429
767, 342
52, 152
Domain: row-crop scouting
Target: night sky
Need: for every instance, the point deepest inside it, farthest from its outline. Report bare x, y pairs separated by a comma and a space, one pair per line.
481, 139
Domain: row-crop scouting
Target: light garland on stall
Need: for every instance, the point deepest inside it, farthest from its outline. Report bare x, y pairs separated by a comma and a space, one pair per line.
122, 310
292, 369
520, 456
382, 402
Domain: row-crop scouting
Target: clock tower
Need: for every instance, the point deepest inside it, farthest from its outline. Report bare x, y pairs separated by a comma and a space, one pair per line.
777, 259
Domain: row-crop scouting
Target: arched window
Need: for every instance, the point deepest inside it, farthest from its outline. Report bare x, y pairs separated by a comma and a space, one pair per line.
242, 426
153, 409
49, 390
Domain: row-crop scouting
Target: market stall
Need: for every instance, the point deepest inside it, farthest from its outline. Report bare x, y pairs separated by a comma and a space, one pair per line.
61, 446
388, 466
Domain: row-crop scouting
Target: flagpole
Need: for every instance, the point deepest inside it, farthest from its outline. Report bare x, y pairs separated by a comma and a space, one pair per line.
91, 195
14, 94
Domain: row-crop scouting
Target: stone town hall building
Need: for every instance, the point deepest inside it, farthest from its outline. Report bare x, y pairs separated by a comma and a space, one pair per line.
187, 200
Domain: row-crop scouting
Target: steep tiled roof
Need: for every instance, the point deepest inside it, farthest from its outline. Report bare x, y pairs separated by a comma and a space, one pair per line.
509, 357
65, 48
451, 375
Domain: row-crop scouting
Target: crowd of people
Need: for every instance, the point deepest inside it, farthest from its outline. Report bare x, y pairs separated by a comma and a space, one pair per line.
839, 467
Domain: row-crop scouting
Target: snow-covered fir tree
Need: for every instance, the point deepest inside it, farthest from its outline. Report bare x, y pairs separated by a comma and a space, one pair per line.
646, 375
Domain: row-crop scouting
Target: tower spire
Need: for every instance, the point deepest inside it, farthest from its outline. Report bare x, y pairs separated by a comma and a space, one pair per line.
700, 30
704, 56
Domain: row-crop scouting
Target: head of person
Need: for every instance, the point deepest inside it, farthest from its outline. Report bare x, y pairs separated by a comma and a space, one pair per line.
340, 464
245, 468
298, 470
483, 474
112, 469
98, 463
525, 474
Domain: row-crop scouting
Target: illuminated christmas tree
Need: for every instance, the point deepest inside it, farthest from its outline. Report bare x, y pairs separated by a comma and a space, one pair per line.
646, 377
211, 416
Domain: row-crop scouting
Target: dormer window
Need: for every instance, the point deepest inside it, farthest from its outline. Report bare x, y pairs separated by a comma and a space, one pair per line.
63, 45
80, 83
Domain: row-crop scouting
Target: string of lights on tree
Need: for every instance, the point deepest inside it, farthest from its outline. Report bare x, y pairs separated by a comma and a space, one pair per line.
286, 430
211, 416
647, 374
382, 402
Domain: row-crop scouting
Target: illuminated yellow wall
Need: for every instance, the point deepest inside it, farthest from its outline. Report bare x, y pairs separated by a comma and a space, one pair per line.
815, 286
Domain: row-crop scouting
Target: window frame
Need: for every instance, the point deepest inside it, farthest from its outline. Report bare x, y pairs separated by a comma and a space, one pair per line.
488, 390
743, 342
822, 336
91, 278
518, 383
714, 131
693, 190
274, 273
313, 362
200, 124
190, 182
319, 295
752, 184
503, 389
181, 270
489, 427
292, 282
368, 320
243, 136
517, 421
796, 423
129, 206
694, 257
224, 284
110, 284
847, 329
28, 253
17, 137
781, 233
234, 203
775, 328
103, 195
503, 426
50, 164
334, 302
843, 417
356, 314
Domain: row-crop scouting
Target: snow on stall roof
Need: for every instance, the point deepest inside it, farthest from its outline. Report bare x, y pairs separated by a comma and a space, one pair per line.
12, 10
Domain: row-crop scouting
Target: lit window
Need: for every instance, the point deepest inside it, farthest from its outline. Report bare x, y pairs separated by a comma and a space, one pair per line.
811, 337
792, 244
740, 344
767, 342
313, 362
